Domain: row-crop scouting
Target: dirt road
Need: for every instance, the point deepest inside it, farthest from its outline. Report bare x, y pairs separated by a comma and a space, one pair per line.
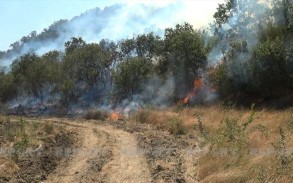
122, 160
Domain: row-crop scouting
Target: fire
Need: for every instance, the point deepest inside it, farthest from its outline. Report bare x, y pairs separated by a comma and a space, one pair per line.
197, 85
115, 116
187, 98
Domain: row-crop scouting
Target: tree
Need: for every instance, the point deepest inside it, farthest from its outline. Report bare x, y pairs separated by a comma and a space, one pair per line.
129, 77
143, 46
254, 47
268, 65
35, 75
282, 13
30, 74
74, 44
87, 68
53, 61
186, 53
7, 86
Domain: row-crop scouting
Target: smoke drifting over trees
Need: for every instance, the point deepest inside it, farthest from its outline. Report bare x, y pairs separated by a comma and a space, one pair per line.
84, 63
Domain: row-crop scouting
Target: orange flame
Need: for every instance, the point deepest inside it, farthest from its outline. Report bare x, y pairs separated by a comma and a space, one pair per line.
197, 85
115, 116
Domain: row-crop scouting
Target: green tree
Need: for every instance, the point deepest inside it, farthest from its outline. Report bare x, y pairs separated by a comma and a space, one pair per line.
268, 65
129, 77
143, 46
86, 68
34, 75
74, 44
7, 86
28, 74
185, 51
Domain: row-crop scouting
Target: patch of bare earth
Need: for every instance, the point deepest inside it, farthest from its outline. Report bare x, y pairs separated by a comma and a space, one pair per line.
105, 155
168, 156
38, 158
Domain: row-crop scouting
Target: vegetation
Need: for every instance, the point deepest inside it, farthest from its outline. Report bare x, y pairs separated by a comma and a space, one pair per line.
23, 135
97, 115
254, 50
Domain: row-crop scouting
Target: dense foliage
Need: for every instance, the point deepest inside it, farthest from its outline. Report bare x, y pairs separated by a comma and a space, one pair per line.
255, 53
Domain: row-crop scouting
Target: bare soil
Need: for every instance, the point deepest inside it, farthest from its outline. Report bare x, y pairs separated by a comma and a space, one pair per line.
108, 152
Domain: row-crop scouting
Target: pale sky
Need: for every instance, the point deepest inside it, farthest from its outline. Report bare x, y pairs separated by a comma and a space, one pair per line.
19, 17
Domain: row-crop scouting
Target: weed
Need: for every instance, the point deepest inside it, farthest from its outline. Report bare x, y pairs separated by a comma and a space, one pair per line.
200, 128
143, 116
48, 127
180, 106
290, 122
250, 118
176, 126
35, 125
232, 134
22, 141
8, 130
283, 159
22, 124
260, 172
263, 130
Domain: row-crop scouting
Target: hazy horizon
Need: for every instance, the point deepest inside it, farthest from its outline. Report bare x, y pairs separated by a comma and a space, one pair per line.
22, 17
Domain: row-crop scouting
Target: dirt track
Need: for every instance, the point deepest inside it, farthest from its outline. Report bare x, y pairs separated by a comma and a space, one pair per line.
124, 161
112, 152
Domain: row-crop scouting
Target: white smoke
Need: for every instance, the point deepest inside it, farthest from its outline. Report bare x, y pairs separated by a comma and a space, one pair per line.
120, 21
243, 24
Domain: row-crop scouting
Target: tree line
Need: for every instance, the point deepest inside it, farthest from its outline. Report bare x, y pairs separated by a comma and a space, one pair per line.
254, 53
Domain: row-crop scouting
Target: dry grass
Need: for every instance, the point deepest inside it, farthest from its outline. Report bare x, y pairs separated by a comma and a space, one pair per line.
166, 120
261, 152
21, 134
246, 145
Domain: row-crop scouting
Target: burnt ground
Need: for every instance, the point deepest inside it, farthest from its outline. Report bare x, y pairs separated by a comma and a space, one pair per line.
36, 166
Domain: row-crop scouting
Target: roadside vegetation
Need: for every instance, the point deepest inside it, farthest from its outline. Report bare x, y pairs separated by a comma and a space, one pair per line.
237, 145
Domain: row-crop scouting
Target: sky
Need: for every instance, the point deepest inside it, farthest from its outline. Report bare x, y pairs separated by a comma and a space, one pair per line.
20, 17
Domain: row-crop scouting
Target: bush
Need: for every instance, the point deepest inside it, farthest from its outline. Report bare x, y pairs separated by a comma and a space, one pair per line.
48, 128
97, 115
143, 116
176, 126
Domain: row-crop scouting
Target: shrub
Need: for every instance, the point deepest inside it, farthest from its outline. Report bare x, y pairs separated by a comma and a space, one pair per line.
143, 116
176, 126
97, 115
48, 128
